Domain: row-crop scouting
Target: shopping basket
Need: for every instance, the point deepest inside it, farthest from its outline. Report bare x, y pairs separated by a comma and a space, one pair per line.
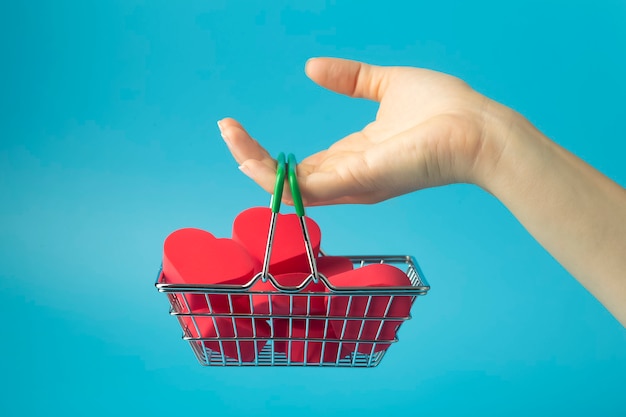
311, 322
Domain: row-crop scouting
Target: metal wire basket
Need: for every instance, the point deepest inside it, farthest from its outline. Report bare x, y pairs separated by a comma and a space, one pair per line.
312, 323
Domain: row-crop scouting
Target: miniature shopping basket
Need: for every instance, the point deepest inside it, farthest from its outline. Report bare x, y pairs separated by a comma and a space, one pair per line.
309, 323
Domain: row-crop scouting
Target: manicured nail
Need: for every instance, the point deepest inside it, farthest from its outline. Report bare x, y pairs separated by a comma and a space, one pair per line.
243, 168
219, 126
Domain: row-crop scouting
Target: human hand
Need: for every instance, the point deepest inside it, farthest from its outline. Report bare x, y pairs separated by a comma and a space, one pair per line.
431, 129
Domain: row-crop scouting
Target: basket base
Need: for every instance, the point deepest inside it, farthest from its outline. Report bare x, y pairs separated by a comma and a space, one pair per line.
269, 356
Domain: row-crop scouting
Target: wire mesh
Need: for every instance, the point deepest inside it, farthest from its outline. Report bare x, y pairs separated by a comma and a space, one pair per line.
328, 327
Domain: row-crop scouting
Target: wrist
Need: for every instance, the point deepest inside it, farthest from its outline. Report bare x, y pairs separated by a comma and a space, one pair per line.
512, 150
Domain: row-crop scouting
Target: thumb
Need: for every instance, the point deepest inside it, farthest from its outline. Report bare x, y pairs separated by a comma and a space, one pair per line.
352, 78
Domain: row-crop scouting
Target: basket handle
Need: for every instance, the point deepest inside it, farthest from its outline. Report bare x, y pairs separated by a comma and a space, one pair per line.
280, 183
288, 169
293, 185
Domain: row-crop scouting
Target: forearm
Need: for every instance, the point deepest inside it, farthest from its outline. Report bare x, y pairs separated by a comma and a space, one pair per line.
576, 213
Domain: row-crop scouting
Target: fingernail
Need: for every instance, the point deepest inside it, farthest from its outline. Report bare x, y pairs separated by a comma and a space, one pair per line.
219, 126
245, 170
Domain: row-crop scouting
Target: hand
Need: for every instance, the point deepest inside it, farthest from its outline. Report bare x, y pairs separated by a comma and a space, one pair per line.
431, 129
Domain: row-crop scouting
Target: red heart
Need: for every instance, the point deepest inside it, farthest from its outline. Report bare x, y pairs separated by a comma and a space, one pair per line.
333, 265
244, 327
251, 228
317, 329
375, 275
194, 256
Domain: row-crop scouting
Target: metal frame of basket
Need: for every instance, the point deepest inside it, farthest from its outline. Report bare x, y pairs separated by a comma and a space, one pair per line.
301, 336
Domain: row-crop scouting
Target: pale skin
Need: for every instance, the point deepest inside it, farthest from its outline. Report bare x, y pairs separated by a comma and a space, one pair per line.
432, 129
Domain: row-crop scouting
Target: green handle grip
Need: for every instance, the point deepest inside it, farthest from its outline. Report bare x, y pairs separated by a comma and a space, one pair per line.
286, 169
293, 184
280, 182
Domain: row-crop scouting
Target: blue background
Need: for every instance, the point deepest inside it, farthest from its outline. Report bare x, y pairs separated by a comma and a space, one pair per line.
109, 143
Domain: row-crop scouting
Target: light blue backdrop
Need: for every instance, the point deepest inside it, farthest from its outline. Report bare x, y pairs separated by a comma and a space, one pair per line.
108, 143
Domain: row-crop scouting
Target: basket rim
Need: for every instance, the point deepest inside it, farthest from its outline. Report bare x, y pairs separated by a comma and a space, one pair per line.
421, 287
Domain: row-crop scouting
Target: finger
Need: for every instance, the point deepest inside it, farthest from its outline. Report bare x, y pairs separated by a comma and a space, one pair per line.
264, 174
322, 182
324, 188
352, 78
241, 145
253, 159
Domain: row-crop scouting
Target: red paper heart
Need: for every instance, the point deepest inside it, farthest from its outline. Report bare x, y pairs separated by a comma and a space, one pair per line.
194, 256
251, 228
316, 351
245, 351
333, 265
375, 275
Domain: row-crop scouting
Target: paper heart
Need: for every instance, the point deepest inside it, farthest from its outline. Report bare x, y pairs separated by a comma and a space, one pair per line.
251, 228
333, 265
375, 275
194, 256
316, 351
245, 351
